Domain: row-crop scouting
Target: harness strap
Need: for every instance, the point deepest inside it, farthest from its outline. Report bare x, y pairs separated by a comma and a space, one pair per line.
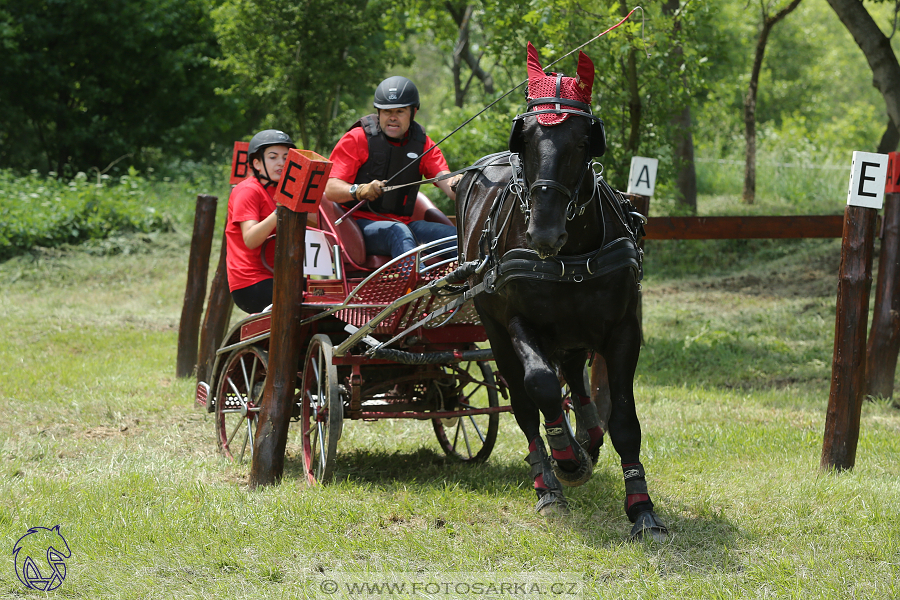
549, 183
583, 107
522, 263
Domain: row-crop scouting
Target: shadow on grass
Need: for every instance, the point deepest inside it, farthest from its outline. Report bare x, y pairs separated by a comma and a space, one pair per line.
423, 467
597, 515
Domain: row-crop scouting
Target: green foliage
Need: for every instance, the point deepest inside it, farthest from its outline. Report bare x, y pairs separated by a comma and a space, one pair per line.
85, 82
306, 66
486, 134
667, 79
815, 90
42, 211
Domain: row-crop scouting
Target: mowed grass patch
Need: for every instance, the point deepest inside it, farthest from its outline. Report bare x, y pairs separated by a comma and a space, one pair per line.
100, 438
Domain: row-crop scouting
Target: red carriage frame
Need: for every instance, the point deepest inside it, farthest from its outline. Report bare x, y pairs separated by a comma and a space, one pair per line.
442, 375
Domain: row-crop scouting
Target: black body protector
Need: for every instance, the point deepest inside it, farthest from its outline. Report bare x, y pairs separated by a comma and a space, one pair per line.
385, 159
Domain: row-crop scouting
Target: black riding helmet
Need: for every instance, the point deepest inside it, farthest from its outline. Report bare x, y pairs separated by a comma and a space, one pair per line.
396, 92
261, 141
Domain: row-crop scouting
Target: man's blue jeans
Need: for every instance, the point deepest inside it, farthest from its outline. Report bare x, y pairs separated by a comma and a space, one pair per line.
392, 238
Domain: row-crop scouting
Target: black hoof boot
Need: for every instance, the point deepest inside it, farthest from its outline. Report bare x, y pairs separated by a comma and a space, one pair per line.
586, 418
560, 437
551, 501
647, 526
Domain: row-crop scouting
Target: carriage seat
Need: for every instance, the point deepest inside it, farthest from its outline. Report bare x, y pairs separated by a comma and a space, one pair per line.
350, 235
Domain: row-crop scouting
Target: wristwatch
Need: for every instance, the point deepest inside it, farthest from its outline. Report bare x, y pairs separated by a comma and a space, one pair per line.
353, 189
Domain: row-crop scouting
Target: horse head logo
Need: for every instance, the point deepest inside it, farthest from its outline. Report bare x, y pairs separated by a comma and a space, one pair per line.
40, 558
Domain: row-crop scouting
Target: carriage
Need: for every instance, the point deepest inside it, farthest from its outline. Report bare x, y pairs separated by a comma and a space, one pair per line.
436, 368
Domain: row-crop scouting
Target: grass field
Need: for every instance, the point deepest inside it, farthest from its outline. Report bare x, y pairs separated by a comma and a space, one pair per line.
99, 437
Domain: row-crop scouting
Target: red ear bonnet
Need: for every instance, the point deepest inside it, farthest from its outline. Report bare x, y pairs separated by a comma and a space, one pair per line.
541, 85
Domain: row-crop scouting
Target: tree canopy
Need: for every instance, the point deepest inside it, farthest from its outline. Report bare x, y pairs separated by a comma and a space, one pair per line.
84, 82
306, 65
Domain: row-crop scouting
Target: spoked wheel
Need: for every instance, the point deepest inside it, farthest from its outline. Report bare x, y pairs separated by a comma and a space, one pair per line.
321, 411
238, 396
470, 438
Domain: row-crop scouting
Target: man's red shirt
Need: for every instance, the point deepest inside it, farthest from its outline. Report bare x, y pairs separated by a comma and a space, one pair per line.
352, 151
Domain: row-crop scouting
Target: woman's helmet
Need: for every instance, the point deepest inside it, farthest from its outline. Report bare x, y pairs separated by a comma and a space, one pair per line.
261, 141
396, 92
266, 138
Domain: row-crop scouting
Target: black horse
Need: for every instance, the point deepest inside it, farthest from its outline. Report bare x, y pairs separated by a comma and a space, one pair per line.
559, 278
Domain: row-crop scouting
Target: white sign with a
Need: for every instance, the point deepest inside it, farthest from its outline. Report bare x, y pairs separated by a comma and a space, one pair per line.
642, 177
317, 260
868, 173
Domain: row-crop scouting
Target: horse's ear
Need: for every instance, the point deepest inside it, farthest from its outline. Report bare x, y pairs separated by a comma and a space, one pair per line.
534, 64
585, 73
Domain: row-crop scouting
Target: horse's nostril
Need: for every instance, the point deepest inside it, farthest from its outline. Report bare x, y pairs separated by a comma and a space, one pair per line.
562, 240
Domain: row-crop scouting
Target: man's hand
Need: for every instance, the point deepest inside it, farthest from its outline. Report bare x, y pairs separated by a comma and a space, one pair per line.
370, 191
454, 181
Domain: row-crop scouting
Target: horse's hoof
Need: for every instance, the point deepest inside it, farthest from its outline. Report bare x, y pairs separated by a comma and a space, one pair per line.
648, 526
552, 504
581, 474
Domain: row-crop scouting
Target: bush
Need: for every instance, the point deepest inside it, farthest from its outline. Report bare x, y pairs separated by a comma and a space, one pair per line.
39, 211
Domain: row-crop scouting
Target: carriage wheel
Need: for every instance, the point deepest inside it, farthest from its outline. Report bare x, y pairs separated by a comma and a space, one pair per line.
238, 396
471, 438
321, 411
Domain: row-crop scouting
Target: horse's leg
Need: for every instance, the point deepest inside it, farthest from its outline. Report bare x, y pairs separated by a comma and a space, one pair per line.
571, 464
588, 427
551, 500
625, 429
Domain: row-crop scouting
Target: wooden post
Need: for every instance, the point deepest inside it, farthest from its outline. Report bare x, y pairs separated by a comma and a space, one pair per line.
195, 290
299, 191
848, 365
884, 339
284, 350
215, 323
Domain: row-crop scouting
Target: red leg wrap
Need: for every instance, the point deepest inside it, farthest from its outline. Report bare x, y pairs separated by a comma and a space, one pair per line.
566, 454
633, 499
595, 432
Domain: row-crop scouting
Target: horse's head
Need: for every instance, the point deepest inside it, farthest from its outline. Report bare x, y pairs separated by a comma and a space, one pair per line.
556, 139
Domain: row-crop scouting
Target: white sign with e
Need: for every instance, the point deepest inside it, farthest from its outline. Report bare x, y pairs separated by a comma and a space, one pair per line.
868, 173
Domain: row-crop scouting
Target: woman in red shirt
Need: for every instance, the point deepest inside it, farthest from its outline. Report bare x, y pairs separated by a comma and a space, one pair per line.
251, 219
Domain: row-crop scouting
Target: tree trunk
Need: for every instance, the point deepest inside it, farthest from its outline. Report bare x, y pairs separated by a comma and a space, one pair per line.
685, 171
629, 66
889, 140
462, 52
749, 193
877, 48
